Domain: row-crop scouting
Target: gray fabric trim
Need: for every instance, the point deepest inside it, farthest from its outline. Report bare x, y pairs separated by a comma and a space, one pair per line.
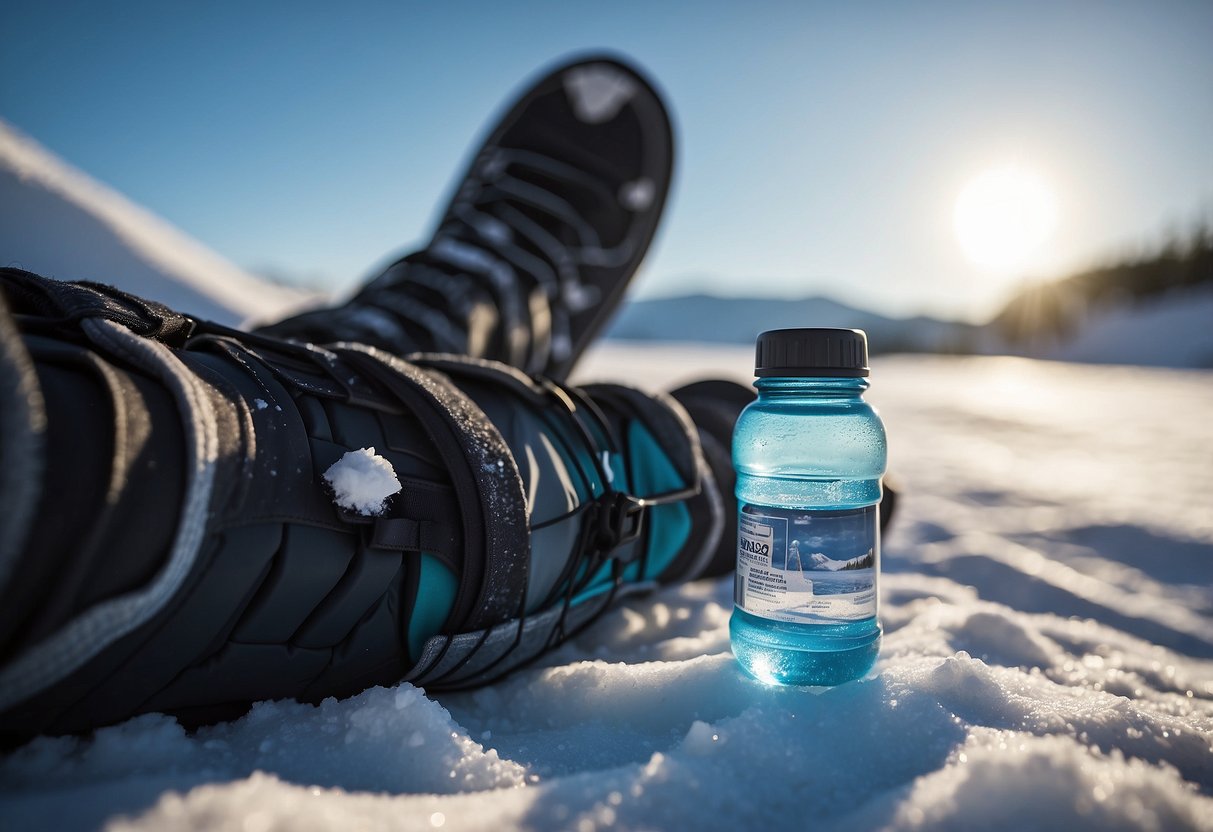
82, 638
707, 484
482, 656
710, 490
22, 432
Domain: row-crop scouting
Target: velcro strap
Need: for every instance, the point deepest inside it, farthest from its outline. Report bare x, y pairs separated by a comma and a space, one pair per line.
486, 480
62, 302
401, 534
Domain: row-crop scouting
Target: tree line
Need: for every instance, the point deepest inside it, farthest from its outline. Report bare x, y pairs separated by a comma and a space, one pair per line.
1055, 309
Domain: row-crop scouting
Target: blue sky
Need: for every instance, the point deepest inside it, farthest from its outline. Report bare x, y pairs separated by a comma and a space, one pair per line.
822, 145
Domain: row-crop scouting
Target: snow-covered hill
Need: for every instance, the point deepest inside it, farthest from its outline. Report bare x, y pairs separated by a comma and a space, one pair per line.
57, 221
1171, 330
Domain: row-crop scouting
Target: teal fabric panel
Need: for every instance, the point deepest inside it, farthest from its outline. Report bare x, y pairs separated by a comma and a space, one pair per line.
669, 525
436, 589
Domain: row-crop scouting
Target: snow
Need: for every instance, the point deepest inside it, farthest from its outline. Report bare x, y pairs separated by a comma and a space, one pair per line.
362, 481
1047, 598
1048, 660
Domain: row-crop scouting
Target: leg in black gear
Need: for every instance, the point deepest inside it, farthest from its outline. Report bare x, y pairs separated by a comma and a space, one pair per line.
184, 553
541, 237
171, 542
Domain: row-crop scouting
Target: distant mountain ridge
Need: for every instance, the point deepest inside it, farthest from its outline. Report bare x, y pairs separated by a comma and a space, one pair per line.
1165, 327
708, 318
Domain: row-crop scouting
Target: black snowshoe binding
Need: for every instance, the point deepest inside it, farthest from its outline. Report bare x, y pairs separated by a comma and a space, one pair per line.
540, 239
176, 539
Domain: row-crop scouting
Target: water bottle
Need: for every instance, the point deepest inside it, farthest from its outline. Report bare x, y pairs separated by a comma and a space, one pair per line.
809, 454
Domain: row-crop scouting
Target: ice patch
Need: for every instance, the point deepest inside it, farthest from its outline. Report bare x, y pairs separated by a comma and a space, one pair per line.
362, 481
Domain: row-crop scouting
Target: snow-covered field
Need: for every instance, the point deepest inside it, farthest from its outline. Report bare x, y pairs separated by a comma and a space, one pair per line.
1047, 601
1048, 660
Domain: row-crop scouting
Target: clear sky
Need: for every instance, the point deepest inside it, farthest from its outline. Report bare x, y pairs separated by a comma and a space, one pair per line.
823, 146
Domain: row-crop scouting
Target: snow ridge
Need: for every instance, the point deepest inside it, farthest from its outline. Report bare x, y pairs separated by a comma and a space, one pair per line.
57, 220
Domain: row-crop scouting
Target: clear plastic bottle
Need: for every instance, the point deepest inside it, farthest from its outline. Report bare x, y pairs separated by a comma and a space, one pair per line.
809, 454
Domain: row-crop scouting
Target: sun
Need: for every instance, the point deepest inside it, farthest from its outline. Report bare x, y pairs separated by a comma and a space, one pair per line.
1003, 217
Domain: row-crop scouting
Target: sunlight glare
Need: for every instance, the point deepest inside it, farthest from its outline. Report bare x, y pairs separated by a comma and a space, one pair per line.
1003, 216
763, 671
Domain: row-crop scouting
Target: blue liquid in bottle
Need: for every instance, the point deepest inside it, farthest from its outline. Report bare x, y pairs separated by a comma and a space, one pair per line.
809, 454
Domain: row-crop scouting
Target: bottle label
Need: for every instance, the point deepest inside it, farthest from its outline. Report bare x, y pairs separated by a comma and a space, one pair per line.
810, 567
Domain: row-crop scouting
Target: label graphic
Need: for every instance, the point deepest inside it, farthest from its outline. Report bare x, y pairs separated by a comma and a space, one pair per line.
807, 566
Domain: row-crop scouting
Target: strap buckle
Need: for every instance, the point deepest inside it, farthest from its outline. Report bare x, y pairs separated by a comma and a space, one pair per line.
620, 520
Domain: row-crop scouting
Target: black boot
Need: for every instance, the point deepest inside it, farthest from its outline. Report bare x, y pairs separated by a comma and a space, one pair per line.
188, 543
540, 239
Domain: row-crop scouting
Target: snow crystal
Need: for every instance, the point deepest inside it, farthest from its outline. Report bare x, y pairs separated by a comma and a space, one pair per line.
699, 739
362, 481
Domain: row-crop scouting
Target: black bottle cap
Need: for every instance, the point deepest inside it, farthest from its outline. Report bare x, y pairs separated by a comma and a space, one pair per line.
841, 353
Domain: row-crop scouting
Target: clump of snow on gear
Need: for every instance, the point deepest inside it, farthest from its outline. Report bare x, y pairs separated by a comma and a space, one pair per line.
362, 481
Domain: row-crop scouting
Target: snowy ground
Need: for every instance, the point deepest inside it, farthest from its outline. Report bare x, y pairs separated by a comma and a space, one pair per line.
1047, 600
1048, 660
